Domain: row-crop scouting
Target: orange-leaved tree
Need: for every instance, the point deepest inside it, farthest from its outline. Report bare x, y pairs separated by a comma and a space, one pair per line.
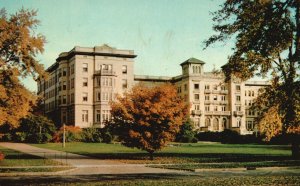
148, 118
19, 45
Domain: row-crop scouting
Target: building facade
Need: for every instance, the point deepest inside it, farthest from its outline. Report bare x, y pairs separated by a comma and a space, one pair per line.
83, 81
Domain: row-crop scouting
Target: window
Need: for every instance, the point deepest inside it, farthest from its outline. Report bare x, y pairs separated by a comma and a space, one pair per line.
250, 125
215, 87
238, 87
197, 107
84, 96
185, 87
72, 98
215, 97
207, 108
196, 86
64, 85
105, 115
196, 97
105, 96
72, 83
223, 98
72, 69
98, 115
179, 89
124, 69
85, 115
207, 122
64, 99
249, 93
223, 108
207, 97
84, 67
98, 96
253, 93
85, 82
223, 87
124, 83
238, 108
238, 98
238, 123
206, 87
64, 117
215, 108
98, 81
65, 71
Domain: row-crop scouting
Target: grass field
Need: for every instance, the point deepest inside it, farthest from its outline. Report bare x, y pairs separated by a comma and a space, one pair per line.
153, 180
180, 153
24, 162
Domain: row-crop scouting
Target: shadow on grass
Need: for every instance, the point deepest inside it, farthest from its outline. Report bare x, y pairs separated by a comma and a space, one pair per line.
194, 158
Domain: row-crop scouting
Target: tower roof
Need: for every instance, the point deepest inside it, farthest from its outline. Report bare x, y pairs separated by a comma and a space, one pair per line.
193, 61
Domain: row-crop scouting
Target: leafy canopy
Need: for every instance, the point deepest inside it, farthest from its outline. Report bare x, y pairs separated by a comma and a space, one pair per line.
148, 118
267, 42
19, 45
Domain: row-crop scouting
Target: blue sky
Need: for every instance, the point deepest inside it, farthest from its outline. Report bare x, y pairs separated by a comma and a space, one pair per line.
163, 33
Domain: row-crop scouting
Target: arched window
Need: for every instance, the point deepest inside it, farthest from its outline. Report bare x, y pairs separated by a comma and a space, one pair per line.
207, 122
224, 123
216, 124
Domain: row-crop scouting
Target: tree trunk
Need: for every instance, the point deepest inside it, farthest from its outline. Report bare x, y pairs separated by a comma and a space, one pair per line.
151, 155
295, 150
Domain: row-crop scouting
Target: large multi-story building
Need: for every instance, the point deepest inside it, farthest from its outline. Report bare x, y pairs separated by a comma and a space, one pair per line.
83, 81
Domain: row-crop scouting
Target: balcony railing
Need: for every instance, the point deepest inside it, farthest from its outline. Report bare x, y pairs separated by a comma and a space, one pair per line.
222, 113
207, 91
197, 112
223, 91
238, 113
105, 72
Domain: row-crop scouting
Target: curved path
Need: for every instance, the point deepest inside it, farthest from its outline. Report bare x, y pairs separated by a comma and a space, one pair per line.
85, 165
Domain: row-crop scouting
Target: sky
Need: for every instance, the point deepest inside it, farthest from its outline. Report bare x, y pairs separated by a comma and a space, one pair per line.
162, 33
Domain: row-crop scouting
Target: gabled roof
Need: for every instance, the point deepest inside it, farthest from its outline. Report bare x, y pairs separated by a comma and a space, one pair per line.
193, 61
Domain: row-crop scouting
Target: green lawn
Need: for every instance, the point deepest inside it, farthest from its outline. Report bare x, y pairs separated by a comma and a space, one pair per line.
23, 162
153, 180
180, 153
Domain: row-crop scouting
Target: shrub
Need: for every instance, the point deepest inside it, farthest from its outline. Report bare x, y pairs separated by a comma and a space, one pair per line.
6, 137
72, 134
91, 135
35, 129
230, 136
186, 133
2, 156
20, 136
106, 135
209, 136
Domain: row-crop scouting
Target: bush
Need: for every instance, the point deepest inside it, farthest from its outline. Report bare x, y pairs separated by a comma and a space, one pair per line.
91, 135
209, 136
73, 134
35, 129
6, 137
228, 136
106, 135
2, 156
186, 133
20, 137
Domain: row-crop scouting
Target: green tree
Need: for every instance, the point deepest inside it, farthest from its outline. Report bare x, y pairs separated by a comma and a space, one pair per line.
148, 118
36, 129
267, 41
19, 45
186, 133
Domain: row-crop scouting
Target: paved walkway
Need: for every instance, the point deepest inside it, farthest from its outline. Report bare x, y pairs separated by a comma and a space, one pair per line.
85, 165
